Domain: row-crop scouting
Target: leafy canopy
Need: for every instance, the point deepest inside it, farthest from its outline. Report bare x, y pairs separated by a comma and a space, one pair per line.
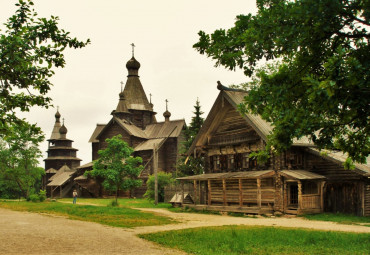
118, 169
316, 83
29, 49
19, 154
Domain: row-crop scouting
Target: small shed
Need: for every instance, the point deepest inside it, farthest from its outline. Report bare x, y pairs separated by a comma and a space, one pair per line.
177, 199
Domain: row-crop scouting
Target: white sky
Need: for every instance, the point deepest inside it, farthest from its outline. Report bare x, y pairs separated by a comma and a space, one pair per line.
86, 90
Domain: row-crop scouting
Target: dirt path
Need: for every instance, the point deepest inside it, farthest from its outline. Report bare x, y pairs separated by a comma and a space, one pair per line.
29, 233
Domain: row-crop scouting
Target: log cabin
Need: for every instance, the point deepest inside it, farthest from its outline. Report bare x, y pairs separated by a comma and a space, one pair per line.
302, 180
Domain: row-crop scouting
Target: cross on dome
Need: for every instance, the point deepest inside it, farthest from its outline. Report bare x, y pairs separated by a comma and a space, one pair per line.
133, 45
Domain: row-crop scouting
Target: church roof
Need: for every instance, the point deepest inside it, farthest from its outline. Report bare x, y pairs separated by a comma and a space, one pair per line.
55, 133
152, 131
61, 178
98, 129
164, 129
135, 97
61, 170
149, 145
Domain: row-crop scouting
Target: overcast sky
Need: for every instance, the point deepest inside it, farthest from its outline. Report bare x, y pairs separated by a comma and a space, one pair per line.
86, 90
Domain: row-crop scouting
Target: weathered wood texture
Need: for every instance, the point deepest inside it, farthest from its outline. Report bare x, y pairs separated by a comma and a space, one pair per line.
343, 197
367, 200
331, 170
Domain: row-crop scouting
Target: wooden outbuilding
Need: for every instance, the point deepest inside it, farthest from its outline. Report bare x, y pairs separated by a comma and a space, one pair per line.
299, 181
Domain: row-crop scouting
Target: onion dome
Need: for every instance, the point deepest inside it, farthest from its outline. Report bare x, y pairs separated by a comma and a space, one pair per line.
133, 64
166, 114
57, 115
133, 67
63, 130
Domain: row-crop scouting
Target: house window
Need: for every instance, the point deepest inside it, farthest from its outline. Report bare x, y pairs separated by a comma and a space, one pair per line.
245, 163
223, 162
230, 162
215, 163
238, 159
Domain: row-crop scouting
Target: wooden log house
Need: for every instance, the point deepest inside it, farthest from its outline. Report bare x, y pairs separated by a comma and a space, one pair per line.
300, 180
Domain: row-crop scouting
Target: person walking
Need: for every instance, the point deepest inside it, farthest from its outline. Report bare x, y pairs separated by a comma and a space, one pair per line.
74, 196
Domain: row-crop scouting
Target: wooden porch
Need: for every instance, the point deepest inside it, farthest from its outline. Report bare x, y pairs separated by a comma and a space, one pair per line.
245, 192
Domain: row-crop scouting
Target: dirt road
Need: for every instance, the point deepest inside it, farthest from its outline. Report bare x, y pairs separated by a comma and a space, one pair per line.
29, 233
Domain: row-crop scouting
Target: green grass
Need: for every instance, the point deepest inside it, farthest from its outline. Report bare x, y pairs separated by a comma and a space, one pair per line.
112, 216
123, 202
340, 218
261, 240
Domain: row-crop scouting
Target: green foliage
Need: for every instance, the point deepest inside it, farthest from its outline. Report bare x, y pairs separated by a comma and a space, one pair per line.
118, 169
29, 49
261, 240
193, 165
320, 86
164, 179
19, 155
111, 216
34, 198
42, 195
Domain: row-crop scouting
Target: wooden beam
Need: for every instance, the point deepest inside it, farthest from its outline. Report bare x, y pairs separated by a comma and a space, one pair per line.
155, 165
322, 185
300, 205
209, 192
195, 192
224, 191
285, 197
240, 193
259, 197
182, 192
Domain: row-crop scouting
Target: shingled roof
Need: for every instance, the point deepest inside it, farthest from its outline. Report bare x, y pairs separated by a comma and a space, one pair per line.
235, 98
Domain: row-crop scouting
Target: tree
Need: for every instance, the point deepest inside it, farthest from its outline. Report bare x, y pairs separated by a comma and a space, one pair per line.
316, 83
164, 179
193, 165
118, 169
29, 49
19, 154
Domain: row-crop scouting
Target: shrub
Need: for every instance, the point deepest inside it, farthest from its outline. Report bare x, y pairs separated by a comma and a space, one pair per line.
164, 179
42, 195
34, 198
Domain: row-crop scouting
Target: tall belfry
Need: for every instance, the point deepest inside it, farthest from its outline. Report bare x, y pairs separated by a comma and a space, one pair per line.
60, 151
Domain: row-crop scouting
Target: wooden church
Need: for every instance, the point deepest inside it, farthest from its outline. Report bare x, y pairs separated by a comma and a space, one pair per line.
300, 180
135, 119
61, 162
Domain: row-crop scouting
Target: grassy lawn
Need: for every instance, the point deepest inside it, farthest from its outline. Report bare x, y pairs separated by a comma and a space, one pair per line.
340, 218
261, 240
112, 216
123, 202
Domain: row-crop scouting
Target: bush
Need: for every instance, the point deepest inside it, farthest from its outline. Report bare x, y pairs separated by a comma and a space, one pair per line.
164, 179
34, 198
42, 195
